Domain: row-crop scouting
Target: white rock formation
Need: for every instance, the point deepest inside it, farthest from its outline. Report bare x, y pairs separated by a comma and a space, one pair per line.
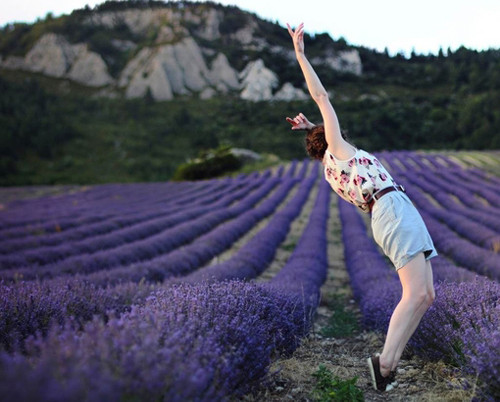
288, 92
175, 64
54, 56
145, 72
90, 69
176, 69
223, 76
346, 61
258, 81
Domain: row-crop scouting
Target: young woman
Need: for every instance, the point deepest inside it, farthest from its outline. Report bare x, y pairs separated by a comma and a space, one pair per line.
358, 177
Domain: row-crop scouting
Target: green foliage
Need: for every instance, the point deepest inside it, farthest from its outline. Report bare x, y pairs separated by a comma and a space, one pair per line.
55, 131
31, 121
210, 164
233, 21
329, 388
343, 323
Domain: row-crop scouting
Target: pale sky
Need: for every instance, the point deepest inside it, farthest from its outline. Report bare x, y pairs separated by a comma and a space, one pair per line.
399, 25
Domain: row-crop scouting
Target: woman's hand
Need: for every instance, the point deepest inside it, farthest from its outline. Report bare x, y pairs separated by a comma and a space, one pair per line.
298, 37
300, 122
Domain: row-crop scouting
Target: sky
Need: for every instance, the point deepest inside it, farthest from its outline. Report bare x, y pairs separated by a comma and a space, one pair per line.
401, 26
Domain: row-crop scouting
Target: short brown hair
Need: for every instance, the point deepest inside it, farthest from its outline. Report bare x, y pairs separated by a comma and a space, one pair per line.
316, 144
315, 140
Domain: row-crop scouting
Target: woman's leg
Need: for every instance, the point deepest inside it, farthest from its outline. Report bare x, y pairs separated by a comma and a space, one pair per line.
418, 294
416, 317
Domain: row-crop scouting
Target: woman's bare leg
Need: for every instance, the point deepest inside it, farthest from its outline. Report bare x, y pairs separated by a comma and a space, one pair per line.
416, 317
418, 294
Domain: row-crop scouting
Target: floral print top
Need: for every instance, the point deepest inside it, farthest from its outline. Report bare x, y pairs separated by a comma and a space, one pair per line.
358, 178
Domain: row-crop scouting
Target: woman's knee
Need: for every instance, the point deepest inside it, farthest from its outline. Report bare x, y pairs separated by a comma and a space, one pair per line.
419, 299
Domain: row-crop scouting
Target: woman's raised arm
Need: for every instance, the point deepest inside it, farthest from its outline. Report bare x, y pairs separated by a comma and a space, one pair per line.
336, 144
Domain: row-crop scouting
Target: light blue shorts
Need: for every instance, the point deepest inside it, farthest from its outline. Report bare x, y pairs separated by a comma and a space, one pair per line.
400, 230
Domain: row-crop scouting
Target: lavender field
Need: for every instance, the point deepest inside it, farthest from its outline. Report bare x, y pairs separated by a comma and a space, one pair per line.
164, 291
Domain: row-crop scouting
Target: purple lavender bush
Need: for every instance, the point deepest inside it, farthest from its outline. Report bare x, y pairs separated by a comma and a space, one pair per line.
187, 342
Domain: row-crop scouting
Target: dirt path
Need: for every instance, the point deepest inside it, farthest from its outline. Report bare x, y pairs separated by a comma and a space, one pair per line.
345, 357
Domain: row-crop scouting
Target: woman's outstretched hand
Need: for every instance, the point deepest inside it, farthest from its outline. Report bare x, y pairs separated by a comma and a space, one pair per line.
298, 37
300, 122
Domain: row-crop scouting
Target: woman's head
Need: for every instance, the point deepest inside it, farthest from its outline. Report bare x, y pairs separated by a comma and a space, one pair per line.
316, 144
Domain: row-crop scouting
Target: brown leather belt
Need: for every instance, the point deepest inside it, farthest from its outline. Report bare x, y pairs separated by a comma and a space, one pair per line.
383, 192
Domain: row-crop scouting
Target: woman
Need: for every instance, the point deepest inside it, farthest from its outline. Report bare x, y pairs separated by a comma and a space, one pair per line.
398, 228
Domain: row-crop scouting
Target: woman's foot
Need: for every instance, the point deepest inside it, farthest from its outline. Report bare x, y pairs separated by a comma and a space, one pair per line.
380, 383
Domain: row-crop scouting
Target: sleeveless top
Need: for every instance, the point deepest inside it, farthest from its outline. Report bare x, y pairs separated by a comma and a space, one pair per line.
358, 178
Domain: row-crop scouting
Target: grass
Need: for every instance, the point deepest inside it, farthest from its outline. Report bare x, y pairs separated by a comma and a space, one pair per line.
343, 323
332, 388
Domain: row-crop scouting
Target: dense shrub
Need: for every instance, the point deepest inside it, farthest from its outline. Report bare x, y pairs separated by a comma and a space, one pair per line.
208, 165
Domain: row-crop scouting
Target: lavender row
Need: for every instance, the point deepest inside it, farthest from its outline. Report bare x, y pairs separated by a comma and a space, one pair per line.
63, 212
26, 212
154, 245
253, 258
163, 242
461, 326
126, 236
117, 206
447, 203
482, 216
462, 251
468, 229
185, 260
305, 271
464, 192
115, 223
119, 200
29, 307
470, 175
452, 187
465, 181
186, 342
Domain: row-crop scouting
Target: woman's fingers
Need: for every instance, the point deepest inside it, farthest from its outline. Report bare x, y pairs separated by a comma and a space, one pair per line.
299, 31
296, 122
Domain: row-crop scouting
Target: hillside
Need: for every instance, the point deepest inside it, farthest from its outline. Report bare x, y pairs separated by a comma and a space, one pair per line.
129, 90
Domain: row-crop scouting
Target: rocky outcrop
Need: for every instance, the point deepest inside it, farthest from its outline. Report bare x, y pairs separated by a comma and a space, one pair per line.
288, 92
346, 61
178, 69
173, 63
258, 81
52, 55
223, 76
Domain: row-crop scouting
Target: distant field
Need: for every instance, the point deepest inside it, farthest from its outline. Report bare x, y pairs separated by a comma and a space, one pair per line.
485, 160
229, 288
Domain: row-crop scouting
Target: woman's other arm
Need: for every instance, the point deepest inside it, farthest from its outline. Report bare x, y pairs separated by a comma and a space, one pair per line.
300, 122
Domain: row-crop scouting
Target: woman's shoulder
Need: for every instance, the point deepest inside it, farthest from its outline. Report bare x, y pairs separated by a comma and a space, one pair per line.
344, 157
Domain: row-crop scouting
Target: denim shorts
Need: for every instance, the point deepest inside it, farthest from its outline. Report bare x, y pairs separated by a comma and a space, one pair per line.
400, 230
